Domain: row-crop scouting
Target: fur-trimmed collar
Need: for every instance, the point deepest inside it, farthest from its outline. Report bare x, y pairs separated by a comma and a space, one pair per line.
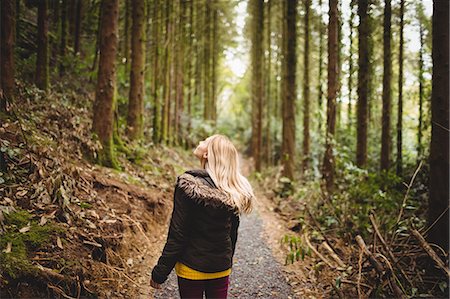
195, 185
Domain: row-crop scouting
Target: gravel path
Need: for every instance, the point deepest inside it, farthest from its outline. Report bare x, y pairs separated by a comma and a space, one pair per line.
255, 274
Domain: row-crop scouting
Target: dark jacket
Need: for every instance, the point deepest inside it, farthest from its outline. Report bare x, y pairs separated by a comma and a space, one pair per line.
203, 229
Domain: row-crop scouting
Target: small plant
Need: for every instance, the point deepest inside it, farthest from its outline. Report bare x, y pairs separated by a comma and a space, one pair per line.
296, 249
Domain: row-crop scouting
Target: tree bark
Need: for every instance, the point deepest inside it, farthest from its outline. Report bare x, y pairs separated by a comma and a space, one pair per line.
268, 97
350, 67
306, 120
289, 91
78, 20
42, 50
387, 75
363, 83
400, 95
319, 80
7, 66
421, 70
439, 147
63, 40
106, 82
256, 9
156, 78
135, 117
328, 161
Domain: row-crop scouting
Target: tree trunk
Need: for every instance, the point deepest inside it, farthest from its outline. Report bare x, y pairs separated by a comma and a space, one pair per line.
306, 120
56, 17
387, 75
127, 33
289, 91
439, 147
190, 72
42, 50
206, 61
166, 73
7, 67
156, 78
104, 103
77, 33
400, 94
350, 67
319, 80
63, 41
328, 161
256, 10
420, 126
268, 149
363, 83
215, 59
135, 118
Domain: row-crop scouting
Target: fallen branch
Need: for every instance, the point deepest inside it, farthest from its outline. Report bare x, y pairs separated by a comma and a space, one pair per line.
431, 253
335, 257
407, 191
379, 268
317, 252
386, 247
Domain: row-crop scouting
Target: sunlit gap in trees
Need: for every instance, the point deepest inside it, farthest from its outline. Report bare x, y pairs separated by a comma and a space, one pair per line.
236, 61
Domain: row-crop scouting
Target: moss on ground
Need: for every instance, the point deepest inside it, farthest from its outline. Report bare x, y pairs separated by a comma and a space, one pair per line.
16, 263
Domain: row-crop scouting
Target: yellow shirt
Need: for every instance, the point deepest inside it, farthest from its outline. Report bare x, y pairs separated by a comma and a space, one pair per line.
185, 272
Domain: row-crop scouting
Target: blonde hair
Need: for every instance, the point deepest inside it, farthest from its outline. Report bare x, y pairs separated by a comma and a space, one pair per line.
222, 166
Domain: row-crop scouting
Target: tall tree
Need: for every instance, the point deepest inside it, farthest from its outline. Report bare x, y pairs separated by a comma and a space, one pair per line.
77, 30
157, 22
42, 50
387, 74
135, 118
289, 93
363, 82
350, 65
256, 9
400, 93
420, 126
439, 147
104, 103
165, 113
7, 41
328, 161
127, 33
319, 80
63, 36
268, 96
306, 119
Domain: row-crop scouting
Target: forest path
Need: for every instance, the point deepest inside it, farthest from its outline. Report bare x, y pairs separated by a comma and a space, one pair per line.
256, 272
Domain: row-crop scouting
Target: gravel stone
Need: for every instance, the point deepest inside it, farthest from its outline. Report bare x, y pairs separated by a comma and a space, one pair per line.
255, 274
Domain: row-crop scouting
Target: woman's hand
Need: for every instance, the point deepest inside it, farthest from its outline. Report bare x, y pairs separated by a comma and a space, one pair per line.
154, 284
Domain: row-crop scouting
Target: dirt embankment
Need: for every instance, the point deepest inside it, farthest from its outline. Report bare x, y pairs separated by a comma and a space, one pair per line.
70, 228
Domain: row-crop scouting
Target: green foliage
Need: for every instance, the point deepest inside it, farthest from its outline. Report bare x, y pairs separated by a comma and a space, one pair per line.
359, 192
296, 249
23, 233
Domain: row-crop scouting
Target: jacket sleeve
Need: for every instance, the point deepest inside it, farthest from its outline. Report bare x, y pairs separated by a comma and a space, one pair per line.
176, 238
234, 231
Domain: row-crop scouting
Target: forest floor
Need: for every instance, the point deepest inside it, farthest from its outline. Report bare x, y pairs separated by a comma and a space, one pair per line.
73, 229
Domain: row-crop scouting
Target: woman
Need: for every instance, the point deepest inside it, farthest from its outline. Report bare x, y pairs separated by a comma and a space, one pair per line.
205, 219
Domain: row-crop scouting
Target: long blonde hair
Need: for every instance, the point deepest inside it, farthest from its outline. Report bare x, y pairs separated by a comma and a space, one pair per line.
222, 166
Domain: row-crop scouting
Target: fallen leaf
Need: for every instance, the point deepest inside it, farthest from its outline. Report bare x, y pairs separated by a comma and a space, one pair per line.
43, 221
8, 248
59, 243
25, 229
21, 193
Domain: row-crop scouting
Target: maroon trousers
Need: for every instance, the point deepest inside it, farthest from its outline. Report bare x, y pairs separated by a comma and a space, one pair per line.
212, 288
